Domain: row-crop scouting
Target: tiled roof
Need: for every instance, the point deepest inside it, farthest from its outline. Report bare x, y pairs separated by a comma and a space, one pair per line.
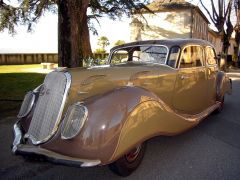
168, 1
161, 5
167, 5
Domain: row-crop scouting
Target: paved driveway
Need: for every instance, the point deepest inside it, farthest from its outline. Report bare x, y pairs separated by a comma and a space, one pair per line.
209, 151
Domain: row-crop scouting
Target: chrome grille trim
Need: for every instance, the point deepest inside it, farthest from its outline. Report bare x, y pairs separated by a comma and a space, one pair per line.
27, 105
58, 119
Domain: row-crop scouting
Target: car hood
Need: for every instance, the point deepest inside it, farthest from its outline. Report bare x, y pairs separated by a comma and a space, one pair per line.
97, 80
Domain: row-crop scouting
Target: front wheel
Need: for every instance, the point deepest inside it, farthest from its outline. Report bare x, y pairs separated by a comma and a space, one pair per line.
129, 162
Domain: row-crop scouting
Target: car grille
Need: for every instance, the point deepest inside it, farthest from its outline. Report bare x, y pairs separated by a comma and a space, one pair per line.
48, 110
27, 105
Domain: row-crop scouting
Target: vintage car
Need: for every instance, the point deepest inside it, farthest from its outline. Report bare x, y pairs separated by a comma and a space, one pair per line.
103, 115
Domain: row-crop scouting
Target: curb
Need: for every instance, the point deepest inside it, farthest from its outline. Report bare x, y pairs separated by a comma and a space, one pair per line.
233, 74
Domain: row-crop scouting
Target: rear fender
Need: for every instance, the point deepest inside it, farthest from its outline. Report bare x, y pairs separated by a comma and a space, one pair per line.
224, 85
149, 119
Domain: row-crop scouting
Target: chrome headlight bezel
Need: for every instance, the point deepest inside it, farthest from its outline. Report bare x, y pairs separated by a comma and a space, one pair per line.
77, 114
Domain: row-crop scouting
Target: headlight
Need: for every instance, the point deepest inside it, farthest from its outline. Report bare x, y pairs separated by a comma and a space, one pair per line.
27, 104
73, 121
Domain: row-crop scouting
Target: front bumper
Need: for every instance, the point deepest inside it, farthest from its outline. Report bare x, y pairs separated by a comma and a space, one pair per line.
19, 148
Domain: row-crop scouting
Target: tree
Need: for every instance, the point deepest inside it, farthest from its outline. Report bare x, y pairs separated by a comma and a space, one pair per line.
220, 16
103, 42
119, 42
100, 51
73, 21
237, 27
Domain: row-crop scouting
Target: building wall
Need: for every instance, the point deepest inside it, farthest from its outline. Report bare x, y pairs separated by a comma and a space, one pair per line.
199, 26
215, 40
175, 24
231, 47
218, 45
161, 25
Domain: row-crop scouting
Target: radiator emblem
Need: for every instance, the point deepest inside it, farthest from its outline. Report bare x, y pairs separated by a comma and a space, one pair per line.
44, 90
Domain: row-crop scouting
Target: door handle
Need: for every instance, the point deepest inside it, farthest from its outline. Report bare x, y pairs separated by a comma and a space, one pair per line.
184, 77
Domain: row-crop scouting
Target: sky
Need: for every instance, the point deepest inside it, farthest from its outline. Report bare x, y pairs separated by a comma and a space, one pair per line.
44, 37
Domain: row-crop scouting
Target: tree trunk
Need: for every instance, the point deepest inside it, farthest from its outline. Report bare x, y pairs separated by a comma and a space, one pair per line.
227, 35
237, 31
237, 40
73, 33
226, 43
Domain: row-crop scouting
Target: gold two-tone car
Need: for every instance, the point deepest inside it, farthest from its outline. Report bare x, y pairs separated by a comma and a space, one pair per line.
103, 115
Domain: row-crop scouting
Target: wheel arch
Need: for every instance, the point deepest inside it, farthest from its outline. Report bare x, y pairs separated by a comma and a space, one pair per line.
107, 115
223, 85
149, 119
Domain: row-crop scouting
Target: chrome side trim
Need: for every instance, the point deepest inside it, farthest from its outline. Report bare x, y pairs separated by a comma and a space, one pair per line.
198, 117
188, 117
68, 84
99, 66
82, 92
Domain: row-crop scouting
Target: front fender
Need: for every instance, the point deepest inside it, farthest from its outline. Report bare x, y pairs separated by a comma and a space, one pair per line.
100, 134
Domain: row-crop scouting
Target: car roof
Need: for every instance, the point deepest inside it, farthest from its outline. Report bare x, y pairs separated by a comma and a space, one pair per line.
168, 43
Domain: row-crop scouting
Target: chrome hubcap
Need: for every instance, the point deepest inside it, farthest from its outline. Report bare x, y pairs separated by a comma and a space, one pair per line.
133, 154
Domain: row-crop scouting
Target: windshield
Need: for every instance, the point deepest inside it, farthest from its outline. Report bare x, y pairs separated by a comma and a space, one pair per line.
146, 53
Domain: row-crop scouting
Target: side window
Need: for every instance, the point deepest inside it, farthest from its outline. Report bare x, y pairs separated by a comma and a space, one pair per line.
173, 56
210, 56
119, 57
192, 56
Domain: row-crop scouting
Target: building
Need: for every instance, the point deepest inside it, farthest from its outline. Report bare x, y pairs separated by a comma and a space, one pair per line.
177, 19
215, 39
174, 19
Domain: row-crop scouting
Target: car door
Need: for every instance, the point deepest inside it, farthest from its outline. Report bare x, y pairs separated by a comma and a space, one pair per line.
212, 69
190, 90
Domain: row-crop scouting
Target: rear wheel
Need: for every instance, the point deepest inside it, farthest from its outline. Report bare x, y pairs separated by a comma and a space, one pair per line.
129, 162
220, 108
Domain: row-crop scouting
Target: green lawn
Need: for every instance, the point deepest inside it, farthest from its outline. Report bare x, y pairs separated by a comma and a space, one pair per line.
15, 81
19, 68
13, 86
